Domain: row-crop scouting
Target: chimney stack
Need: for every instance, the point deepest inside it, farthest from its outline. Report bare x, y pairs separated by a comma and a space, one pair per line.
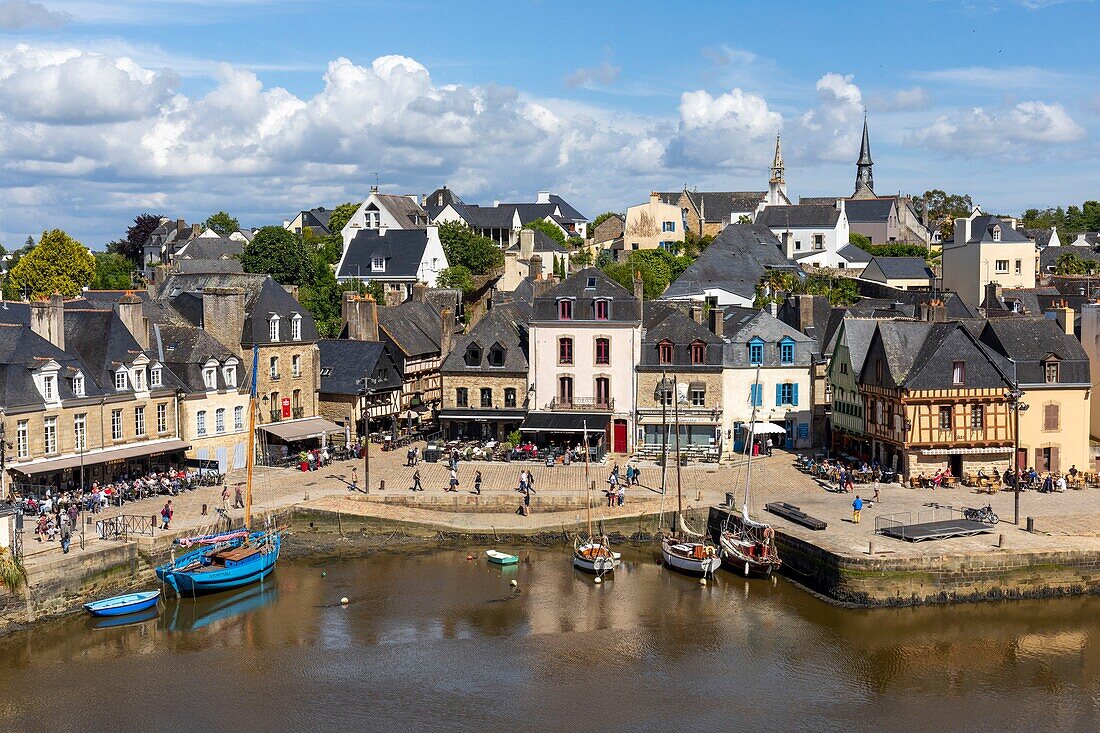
526, 243
1064, 316
534, 267
130, 312
420, 292
446, 331
993, 294
181, 225
543, 197
805, 312
718, 320
696, 314
360, 317
48, 319
962, 231
639, 286
292, 290
196, 230
223, 316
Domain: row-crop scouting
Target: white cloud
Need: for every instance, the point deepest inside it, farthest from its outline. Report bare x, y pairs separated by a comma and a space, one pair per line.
603, 75
831, 131
1017, 131
729, 131
903, 100
1003, 78
24, 14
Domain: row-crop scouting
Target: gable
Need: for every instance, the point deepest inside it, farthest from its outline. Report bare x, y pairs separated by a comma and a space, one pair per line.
935, 371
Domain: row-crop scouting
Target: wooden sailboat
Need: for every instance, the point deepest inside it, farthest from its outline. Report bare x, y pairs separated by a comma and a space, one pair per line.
229, 559
749, 548
590, 553
686, 550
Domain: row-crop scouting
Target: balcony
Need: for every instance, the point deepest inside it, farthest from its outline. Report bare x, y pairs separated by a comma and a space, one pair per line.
276, 415
299, 412
585, 404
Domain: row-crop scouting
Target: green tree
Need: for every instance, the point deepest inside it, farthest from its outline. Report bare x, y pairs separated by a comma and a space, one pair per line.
58, 263
339, 217
860, 240
602, 218
478, 254
942, 208
222, 223
275, 251
581, 258
895, 249
321, 295
657, 267
133, 246
112, 272
456, 276
550, 230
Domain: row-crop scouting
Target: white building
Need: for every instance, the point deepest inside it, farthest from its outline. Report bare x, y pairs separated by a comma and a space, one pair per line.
811, 234
987, 249
502, 222
389, 211
396, 258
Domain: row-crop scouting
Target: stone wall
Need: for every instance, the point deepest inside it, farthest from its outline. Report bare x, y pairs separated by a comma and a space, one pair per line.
306, 383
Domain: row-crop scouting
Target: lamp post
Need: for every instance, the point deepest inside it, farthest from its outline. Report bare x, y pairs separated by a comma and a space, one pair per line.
1014, 396
664, 387
367, 382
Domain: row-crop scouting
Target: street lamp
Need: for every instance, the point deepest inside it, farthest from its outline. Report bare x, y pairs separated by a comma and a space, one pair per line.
1014, 396
367, 382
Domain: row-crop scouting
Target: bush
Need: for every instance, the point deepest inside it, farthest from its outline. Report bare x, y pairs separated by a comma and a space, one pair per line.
456, 276
860, 240
514, 438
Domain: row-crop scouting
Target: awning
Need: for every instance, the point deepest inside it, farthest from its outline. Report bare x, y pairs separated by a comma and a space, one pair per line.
310, 427
482, 414
564, 422
763, 428
94, 457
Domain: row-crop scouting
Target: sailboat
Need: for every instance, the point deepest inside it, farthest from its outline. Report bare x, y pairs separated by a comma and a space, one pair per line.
750, 547
688, 551
230, 559
590, 553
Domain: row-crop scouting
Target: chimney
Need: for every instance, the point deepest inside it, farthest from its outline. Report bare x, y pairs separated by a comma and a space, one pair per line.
196, 230
48, 319
360, 317
654, 197
962, 231
718, 320
496, 203
1064, 316
696, 314
541, 286
526, 243
420, 292
805, 312
181, 224
938, 310
223, 316
993, 293
130, 312
292, 290
639, 286
446, 331
534, 268
543, 198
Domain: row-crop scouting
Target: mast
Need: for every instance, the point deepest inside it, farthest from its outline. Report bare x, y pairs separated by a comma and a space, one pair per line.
587, 483
251, 438
752, 439
676, 422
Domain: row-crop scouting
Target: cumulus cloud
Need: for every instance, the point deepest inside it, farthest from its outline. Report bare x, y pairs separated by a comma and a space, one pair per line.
831, 131
1019, 130
23, 14
601, 75
730, 130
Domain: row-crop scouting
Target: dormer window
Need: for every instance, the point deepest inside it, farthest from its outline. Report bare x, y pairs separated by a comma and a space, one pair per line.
273, 328
378, 264
664, 352
78, 385
698, 353
958, 373
210, 377
156, 377
472, 357
601, 308
565, 310
139, 380
756, 351
997, 233
120, 379
296, 327
496, 356
49, 388
229, 375
1050, 371
786, 351
591, 285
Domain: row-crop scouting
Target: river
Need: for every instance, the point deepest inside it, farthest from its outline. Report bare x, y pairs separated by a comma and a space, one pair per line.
431, 641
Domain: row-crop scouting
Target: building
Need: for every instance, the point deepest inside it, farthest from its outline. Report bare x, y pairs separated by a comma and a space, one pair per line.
680, 379
811, 234
934, 397
903, 273
609, 230
536, 253
654, 225
315, 219
849, 351
876, 219
502, 222
817, 318
1043, 238
360, 386
439, 199
987, 249
585, 339
385, 211
395, 258
1090, 341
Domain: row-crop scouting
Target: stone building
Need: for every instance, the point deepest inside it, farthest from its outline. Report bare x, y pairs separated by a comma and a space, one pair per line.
987, 249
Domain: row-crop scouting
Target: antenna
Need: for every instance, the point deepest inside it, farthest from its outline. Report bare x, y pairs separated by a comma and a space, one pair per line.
375, 178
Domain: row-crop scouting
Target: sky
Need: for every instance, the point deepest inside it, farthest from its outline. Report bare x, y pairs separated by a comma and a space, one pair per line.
112, 108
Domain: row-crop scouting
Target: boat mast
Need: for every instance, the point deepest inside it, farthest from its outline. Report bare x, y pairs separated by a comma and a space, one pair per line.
752, 439
251, 439
676, 422
587, 483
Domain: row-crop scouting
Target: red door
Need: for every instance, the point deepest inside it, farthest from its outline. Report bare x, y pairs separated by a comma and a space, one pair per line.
619, 437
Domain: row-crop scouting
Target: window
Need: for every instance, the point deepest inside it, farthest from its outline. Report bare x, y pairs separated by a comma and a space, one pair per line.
698, 396
1001, 266
80, 432
590, 284
116, 424
565, 390
603, 392
200, 422
698, 353
997, 233
219, 420
21, 444
1051, 416
486, 397
565, 310
78, 385
162, 418
296, 327
273, 369
210, 377
945, 417
786, 352
756, 352
878, 370
139, 379
496, 355
156, 377
139, 421
958, 373
372, 219
296, 365
602, 308
664, 396
238, 418
473, 355
819, 241
786, 394
50, 435
509, 396
565, 351
120, 379
664, 352
668, 226
462, 397
1019, 267
229, 376
1051, 370
49, 390
756, 395
378, 264
603, 351
273, 328
977, 417
843, 367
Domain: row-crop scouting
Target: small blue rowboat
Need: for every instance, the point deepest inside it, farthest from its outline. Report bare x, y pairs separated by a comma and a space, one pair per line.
122, 605
501, 558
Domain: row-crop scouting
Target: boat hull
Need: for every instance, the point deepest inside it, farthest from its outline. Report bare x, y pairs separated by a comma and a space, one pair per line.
123, 605
690, 565
500, 558
736, 558
206, 580
599, 564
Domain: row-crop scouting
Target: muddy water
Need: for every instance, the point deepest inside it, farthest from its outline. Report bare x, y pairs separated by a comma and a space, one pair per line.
432, 641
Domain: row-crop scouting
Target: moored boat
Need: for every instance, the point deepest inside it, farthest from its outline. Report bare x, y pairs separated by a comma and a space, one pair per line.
124, 604
690, 556
594, 556
501, 558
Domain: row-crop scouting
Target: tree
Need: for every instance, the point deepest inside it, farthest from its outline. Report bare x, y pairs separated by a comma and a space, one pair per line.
456, 276
657, 267
895, 249
321, 295
550, 230
604, 217
942, 208
581, 258
860, 240
133, 247
112, 272
339, 217
275, 251
58, 264
222, 223
478, 254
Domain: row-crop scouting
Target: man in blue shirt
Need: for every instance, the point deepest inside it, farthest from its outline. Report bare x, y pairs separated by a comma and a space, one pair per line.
857, 507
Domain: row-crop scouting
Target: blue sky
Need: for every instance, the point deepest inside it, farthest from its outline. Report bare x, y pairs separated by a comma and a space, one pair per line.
112, 108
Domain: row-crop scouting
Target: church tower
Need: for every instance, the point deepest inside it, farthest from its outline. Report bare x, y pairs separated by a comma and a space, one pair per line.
777, 186
865, 179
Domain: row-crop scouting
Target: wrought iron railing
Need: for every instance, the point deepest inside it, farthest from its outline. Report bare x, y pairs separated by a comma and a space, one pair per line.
276, 415
582, 403
124, 525
299, 412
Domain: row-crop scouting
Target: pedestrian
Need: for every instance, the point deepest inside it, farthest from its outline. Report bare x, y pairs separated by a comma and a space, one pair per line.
527, 501
354, 478
454, 480
622, 494
238, 498
530, 480
66, 533
477, 482
225, 498
522, 481
637, 476
166, 514
416, 454
409, 457
613, 487
629, 474
875, 498
857, 507
417, 486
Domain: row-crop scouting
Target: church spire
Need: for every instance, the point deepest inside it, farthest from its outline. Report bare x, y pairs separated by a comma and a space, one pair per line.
864, 177
777, 186
777, 163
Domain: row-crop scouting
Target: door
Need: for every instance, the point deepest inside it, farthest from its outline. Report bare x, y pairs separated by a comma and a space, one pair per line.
788, 439
955, 463
223, 460
239, 457
619, 437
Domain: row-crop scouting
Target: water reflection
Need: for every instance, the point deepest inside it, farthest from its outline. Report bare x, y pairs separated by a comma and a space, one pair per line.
193, 614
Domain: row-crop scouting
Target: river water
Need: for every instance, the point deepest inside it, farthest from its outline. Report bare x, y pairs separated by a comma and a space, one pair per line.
432, 641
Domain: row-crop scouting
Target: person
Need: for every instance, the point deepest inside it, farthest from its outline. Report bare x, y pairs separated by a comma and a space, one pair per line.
530, 480
629, 474
477, 482
1048, 484
354, 479
522, 481
527, 501
66, 533
1073, 471
225, 498
409, 457
454, 480
876, 499
416, 454
622, 494
637, 476
417, 486
166, 514
1060, 484
43, 526
613, 486
238, 498
857, 507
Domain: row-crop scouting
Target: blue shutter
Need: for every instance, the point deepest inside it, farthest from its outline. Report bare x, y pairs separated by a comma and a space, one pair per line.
778, 395
794, 392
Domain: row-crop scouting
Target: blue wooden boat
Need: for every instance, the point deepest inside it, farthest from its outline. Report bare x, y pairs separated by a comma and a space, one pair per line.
239, 561
124, 604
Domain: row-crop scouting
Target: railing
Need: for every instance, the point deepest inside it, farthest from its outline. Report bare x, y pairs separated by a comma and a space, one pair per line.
124, 525
276, 415
299, 412
582, 403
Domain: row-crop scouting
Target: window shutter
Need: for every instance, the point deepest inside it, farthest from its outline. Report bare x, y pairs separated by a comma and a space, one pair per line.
794, 392
1054, 465
778, 394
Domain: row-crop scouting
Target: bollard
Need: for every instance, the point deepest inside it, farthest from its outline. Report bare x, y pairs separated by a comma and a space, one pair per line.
870, 548
1031, 524
1001, 540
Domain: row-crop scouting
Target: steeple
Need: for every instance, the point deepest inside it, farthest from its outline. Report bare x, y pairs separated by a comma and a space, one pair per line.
777, 163
777, 186
865, 180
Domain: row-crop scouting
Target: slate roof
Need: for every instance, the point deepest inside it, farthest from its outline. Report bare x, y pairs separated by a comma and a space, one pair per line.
317, 217
820, 200
210, 248
22, 351
185, 349
668, 322
543, 243
744, 324
716, 206
432, 202
920, 356
858, 333
1029, 341
209, 266
503, 215
414, 329
903, 268
879, 295
344, 362
102, 341
869, 211
1040, 235
981, 230
506, 325
799, 216
624, 307
735, 261
404, 209
403, 250
1048, 257
852, 253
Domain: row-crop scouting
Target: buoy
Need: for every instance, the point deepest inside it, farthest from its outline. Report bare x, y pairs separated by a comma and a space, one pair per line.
324, 574
344, 600
513, 583
702, 581
598, 580
469, 557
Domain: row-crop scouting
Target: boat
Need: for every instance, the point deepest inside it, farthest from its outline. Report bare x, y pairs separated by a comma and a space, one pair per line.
748, 547
590, 553
124, 604
686, 550
230, 559
501, 558
215, 608
99, 623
